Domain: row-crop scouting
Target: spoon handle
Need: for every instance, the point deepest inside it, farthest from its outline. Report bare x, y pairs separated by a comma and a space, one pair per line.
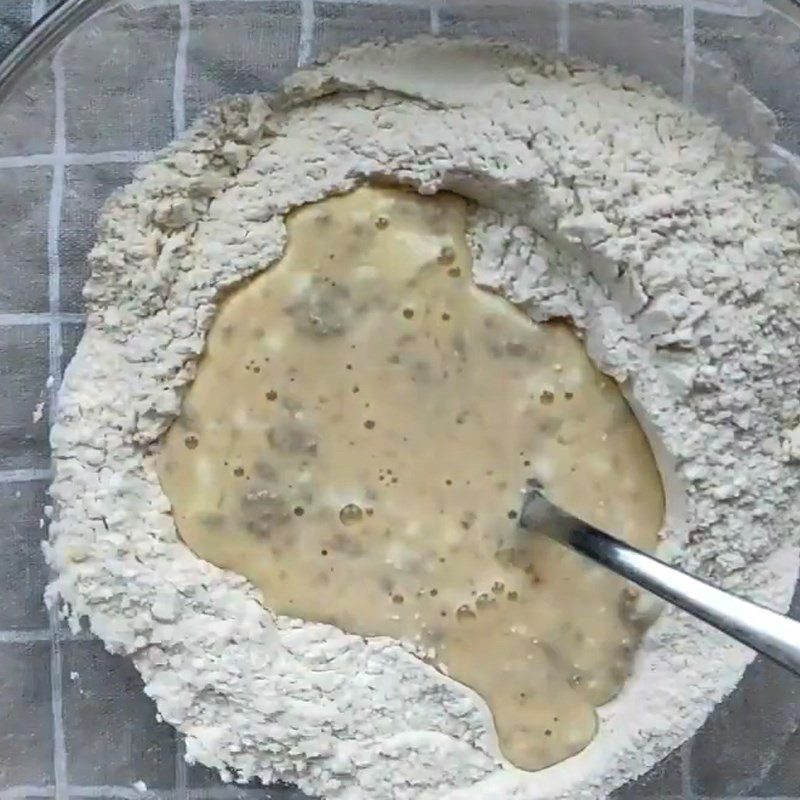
768, 632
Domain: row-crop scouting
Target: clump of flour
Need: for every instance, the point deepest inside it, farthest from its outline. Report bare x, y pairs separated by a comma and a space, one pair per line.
598, 199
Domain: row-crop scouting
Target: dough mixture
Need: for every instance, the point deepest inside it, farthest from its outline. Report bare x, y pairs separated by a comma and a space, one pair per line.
213, 336
356, 443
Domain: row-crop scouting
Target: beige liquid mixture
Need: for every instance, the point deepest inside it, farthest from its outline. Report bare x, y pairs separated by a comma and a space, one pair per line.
356, 443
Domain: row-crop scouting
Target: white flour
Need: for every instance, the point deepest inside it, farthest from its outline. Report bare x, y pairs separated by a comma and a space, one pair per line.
600, 199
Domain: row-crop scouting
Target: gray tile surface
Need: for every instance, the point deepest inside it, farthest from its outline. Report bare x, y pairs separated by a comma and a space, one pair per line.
764, 56
26, 735
70, 337
238, 47
745, 740
112, 735
337, 26
24, 194
15, 20
115, 114
86, 188
782, 779
23, 374
732, 759
537, 27
26, 126
23, 574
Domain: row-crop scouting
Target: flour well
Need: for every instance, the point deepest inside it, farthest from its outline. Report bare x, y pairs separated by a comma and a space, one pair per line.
599, 199
366, 371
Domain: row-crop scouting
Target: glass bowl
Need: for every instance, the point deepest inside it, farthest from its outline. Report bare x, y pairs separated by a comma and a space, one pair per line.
97, 88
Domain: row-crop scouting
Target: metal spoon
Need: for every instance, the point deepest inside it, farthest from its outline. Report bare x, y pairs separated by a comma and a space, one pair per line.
768, 632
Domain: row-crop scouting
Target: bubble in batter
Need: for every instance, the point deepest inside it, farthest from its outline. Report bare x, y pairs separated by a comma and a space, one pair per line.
356, 443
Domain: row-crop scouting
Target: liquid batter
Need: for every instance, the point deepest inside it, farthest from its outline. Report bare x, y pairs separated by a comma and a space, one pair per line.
356, 443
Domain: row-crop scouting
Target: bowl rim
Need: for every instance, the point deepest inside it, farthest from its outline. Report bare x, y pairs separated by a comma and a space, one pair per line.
44, 36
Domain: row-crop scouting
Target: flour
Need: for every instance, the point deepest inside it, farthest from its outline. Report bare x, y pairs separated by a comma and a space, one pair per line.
598, 199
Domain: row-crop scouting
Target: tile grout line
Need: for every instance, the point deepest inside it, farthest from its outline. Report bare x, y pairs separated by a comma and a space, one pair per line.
38, 8
435, 20
24, 475
109, 157
21, 162
57, 703
179, 74
25, 637
306, 44
24, 792
42, 635
686, 770
54, 364
563, 27
77, 159
13, 320
181, 782
688, 52
53, 234
178, 127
